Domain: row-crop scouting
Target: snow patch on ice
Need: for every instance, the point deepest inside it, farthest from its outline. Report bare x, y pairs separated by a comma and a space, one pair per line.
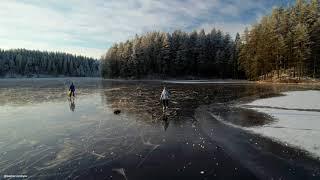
296, 127
292, 100
206, 81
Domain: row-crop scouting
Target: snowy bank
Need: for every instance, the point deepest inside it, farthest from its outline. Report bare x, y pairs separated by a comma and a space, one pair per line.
218, 81
292, 100
297, 117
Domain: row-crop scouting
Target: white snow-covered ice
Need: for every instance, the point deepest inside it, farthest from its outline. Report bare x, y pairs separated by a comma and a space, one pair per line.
298, 124
206, 81
292, 100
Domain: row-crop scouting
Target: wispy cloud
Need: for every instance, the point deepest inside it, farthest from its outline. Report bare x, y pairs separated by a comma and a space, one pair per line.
90, 27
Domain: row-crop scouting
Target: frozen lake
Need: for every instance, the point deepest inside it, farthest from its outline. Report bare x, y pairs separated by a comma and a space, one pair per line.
297, 115
44, 136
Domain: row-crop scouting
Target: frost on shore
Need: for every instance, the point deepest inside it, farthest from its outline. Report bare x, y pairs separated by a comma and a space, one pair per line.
297, 117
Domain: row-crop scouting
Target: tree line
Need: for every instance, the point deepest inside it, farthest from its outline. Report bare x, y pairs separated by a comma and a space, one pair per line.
31, 63
287, 39
179, 54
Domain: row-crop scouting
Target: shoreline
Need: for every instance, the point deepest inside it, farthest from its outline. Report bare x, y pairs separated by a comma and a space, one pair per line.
288, 83
172, 80
290, 80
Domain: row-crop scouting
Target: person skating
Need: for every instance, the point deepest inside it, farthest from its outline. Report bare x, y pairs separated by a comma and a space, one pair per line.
72, 89
164, 98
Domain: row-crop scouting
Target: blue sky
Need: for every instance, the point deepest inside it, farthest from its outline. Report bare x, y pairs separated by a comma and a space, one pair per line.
90, 27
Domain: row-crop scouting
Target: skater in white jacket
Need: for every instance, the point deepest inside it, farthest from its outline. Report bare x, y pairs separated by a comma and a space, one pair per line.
164, 98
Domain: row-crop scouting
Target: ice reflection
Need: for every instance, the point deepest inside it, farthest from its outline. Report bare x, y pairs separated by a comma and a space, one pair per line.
165, 121
72, 104
52, 142
40, 137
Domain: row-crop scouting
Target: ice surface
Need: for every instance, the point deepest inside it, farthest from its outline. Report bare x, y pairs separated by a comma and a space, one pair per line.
206, 81
43, 137
292, 100
298, 127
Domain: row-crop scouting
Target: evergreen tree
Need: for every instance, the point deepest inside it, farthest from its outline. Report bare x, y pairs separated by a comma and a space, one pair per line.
285, 40
172, 55
21, 62
301, 47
